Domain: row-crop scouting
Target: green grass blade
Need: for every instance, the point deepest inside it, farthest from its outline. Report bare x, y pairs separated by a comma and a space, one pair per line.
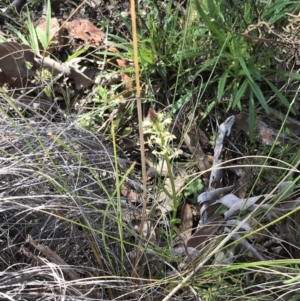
19, 34
239, 94
258, 93
282, 99
245, 68
211, 26
42, 37
221, 85
48, 23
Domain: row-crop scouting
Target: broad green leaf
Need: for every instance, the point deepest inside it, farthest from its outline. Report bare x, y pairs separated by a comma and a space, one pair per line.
288, 75
247, 12
213, 8
181, 101
207, 64
33, 39
292, 280
189, 55
254, 87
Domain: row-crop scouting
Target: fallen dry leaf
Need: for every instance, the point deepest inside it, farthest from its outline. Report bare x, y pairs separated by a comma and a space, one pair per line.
191, 139
266, 133
14, 58
204, 233
130, 194
54, 258
165, 201
55, 34
11, 82
244, 181
186, 222
80, 80
126, 79
84, 30
215, 180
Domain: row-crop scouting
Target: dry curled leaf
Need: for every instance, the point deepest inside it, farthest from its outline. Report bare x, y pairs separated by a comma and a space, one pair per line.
127, 83
14, 59
55, 36
11, 82
205, 233
267, 132
191, 139
186, 222
80, 80
129, 194
166, 202
84, 30
264, 133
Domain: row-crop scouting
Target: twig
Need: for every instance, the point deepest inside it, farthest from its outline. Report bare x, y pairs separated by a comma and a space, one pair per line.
140, 118
53, 257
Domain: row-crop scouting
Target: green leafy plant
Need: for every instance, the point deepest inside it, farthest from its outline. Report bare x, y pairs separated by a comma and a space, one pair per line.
238, 63
193, 188
156, 125
34, 2
35, 36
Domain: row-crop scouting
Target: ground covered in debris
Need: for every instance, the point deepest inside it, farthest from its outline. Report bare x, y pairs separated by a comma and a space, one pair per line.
214, 216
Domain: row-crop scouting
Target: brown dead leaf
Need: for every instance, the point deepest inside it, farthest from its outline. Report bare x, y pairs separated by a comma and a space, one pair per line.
113, 49
243, 183
129, 194
291, 123
54, 258
265, 132
204, 233
55, 33
11, 82
165, 202
80, 79
241, 122
14, 58
84, 30
186, 222
290, 232
191, 139
126, 79
122, 63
